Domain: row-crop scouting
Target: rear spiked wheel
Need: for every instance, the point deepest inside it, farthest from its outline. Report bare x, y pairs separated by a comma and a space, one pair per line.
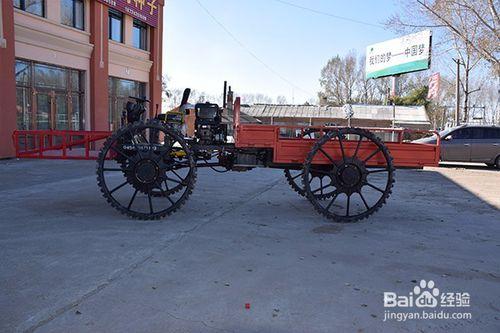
294, 177
146, 170
360, 174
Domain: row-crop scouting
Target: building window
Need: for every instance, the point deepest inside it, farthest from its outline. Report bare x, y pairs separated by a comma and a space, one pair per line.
119, 92
48, 97
140, 35
36, 7
115, 26
73, 14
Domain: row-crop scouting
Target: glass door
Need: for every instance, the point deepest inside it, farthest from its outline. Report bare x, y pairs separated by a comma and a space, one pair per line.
61, 112
43, 110
24, 110
76, 111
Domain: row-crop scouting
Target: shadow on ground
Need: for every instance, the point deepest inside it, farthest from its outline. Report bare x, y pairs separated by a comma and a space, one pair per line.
70, 262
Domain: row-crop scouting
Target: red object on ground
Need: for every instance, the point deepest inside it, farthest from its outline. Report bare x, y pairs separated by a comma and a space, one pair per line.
247, 306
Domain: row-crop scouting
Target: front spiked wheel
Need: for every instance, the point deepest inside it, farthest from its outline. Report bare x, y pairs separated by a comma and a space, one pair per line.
359, 171
146, 170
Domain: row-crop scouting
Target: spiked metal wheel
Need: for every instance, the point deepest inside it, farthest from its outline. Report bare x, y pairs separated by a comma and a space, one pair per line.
294, 177
146, 170
360, 172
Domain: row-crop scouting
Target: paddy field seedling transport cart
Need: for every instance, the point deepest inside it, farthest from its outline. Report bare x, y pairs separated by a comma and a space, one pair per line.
148, 169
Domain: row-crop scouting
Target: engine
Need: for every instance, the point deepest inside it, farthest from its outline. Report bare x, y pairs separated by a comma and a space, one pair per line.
209, 129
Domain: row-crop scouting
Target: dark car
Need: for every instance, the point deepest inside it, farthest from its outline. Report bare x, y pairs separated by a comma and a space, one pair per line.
468, 143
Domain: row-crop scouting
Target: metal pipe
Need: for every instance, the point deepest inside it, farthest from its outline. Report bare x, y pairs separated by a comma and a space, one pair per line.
224, 102
457, 93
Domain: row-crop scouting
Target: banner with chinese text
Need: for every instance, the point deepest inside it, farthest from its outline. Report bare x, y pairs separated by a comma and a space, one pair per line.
401, 55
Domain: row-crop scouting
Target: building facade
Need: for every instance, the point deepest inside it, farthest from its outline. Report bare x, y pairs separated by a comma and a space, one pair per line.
71, 64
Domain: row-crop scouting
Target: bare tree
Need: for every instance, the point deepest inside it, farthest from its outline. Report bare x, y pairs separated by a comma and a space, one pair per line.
470, 28
330, 81
281, 100
367, 90
256, 99
486, 103
475, 24
339, 79
343, 81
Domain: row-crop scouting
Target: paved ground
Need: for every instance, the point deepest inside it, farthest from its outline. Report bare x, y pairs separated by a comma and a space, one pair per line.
71, 263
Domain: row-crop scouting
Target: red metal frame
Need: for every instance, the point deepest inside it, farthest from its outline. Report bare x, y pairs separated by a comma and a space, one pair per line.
58, 144
294, 150
84, 145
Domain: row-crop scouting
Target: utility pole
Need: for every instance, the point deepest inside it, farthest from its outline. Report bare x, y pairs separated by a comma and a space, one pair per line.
394, 93
457, 93
496, 114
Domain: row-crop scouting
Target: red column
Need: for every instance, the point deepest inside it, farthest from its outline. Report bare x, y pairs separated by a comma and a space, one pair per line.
155, 74
8, 122
99, 106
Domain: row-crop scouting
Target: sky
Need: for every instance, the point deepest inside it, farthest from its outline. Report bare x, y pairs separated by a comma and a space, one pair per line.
271, 48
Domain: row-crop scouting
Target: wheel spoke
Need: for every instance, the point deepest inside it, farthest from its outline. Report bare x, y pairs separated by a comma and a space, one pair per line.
374, 187
164, 193
174, 180
321, 189
378, 170
116, 150
180, 165
364, 201
339, 136
372, 154
150, 203
175, 173
335, 195
348, 204
295, 177
320, 171
132, 199
357, 146
112, 169
118, 187
326, 155
171, 201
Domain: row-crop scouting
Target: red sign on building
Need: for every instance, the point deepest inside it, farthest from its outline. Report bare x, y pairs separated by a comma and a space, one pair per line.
143, 10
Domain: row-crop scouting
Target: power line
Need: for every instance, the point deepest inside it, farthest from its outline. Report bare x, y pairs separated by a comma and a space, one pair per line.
250, 52
330, 14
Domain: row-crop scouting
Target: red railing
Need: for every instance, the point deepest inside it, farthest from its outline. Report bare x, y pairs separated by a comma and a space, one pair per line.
58, 144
